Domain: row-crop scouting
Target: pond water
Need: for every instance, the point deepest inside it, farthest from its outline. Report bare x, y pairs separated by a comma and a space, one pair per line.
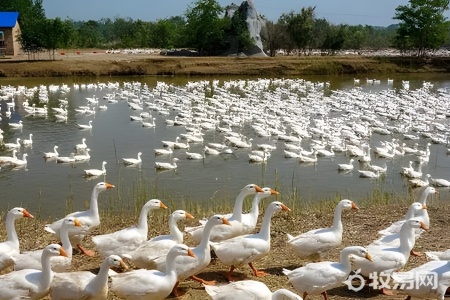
55, 188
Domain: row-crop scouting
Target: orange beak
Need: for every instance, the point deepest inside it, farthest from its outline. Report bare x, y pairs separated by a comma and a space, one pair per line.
162, 205
26, 214
109, 185
424, 206
77, 223
368, 257
189, 216
123, 265
284, 207
190, 253
423, 226
225, 221
354, 206
258, 189
273, 192
62, 252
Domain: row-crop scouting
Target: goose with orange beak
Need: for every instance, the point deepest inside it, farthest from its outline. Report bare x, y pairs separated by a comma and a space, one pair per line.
145, 284
128, 239
318, 241
30, 283
10, 248
247, 248
317, 278
89, 218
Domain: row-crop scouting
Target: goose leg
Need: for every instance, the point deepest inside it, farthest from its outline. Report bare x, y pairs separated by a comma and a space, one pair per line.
206, 282
386, 292
256, 272
85, 251
229, 276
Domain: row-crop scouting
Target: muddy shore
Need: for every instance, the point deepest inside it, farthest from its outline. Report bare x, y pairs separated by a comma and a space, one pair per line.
102, 64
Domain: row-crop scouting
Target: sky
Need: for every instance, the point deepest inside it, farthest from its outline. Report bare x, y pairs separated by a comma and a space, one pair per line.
351, 12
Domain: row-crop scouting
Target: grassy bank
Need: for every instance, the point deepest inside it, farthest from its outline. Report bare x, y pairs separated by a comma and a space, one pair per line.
376, 212
100, 64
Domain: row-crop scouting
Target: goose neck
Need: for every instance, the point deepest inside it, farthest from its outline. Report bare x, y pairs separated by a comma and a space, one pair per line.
237, 210
11, 230
99, 282
264, 232
204, 243
344, 260
407, 239
142, 223
47, 273
175, 232
65, 241
337, 219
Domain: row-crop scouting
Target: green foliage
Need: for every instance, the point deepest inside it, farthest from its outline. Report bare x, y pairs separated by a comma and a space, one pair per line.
205, 28
422, 25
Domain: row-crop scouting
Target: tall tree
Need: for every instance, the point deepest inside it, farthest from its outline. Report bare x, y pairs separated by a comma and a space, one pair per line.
423, 25
204, 27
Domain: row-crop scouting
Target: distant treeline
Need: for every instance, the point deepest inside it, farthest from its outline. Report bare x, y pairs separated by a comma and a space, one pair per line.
207, 28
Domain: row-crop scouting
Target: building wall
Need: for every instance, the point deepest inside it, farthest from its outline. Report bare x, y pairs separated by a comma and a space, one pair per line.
12, 45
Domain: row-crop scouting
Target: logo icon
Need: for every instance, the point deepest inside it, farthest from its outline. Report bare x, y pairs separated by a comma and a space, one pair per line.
349, 281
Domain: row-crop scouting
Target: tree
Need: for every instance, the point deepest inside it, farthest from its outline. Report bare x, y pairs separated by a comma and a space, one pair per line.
422, 25
300, 26
204, 28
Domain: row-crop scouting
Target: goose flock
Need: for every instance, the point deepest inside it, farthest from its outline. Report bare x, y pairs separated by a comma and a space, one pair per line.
313, 123
136, 267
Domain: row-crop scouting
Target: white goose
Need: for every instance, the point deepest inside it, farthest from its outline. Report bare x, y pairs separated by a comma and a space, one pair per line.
20, 162
29, 141
127, 239
30, 283
11, 146
389, 259
83, 157
89, 218
194, 155
133, 161
245, 249
66, 159
17, 125
8, 159
149, 253
166, 165
250, 219
53, 154
415, 212
81, 146
145, 284
317, 278
164, 151
9, 249
190, 266
317, 241
247, 289
32, 259
221, 233
438, 271
96, 172
84, 126
440, 182
346, 167
84, 284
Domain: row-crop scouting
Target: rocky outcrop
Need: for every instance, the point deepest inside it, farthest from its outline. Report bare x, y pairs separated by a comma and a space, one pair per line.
254, 25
